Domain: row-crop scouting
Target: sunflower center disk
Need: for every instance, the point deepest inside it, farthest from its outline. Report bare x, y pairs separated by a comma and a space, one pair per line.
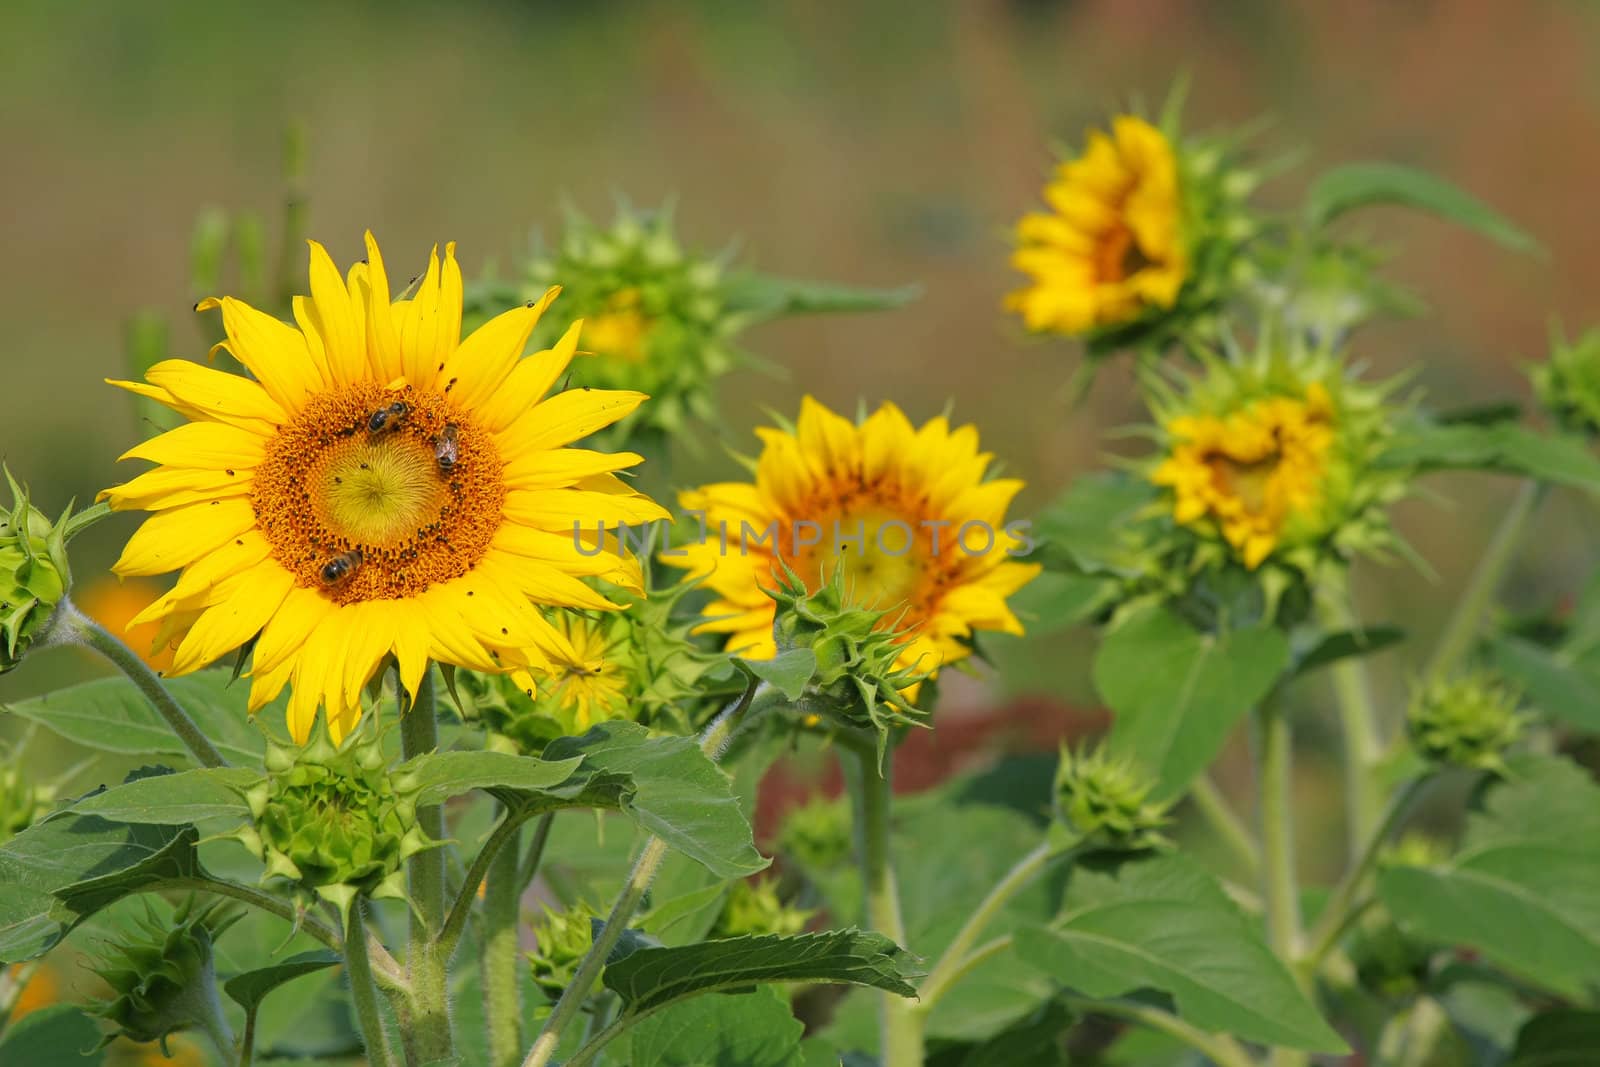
374, 493
887, 562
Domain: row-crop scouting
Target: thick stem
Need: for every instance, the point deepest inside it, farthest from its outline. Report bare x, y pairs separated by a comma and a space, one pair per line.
1280, 888
90, 634
504, 838
952, 963
502, 958
1230, 830
1358, 722
363, 994
1478, 595
247, 1042
899, 1022
425, 959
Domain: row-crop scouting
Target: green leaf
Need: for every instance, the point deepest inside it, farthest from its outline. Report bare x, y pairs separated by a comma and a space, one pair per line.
763, 297
250, 988
442, 775
652, 978
721, 1030
1524, 889
110, 715
1087, 529
1358, 185
62, 1035
1551, 679
1164, 923
174, 798
1347, 643
58, 872
668, 787
787, 672
1502, 446
1038, 1041
1177, 693
1054, 601
1558, 1039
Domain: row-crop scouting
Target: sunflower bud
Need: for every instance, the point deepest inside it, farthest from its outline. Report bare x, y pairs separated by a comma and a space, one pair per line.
1568, 384
817, 834
1468, 721
33, 573
756, 908
858, 681
562, 939
162, 975
1107, 801
335, 821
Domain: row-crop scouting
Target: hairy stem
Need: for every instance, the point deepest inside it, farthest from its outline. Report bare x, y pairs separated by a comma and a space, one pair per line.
1280, 888
503, 839
502, 907
425, 959
1478, 595
363, 994
85, 631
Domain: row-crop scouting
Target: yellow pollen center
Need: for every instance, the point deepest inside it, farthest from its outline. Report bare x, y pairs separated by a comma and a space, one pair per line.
379, 493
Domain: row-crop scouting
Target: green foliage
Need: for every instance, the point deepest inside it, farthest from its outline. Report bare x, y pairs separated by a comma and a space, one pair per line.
720, 1030
250, 988
62, 1035
1358, 185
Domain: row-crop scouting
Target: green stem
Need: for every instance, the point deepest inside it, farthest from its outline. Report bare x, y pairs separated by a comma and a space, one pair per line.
530, 864
247, 1042
425, 960
1280, 888
92, 635
1229, 828
502, 840
1358, 722
952, 963
1221, 1049
712, 742
899, 1023
1342, 905
1478, 596
502, 957
363, 994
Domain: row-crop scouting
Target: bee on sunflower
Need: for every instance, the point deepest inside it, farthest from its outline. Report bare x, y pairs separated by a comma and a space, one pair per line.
379, 487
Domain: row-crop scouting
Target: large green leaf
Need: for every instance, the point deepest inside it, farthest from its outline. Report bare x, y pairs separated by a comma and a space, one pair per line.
442, 775
251, 988
1556, 682
652, 978
721, 1030
174, 798
1524, 889
763, 296
1087, 528
1164, 923
110, 715
60, 871
1054, 600
666, 785
1558, 1039
1177, 693
1357, 185
62, 1035
1499, 446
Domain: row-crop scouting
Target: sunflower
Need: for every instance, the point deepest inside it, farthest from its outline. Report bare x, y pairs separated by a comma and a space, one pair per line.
1113, 244
905, 515
587, 680
380, 487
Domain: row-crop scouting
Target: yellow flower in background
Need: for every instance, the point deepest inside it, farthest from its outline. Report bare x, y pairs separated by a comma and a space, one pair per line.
113, 604
586, 680
905, 513
380, 487
1112, 244
620, 330
1251, 472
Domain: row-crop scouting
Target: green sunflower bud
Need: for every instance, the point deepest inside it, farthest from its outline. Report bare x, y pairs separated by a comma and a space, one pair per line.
756, 908
562, 939
859, 681
162, 975
1568, 384
817, 834
335, 820
1468, 721
34, 575
1107, 802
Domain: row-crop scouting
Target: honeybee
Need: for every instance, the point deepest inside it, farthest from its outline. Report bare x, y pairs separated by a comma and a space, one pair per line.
341, 567
447, 449
388, 418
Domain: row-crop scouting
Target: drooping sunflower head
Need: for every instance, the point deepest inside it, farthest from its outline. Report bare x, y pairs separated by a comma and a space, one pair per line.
378, 487
1273, 458
905, 517
1139, 236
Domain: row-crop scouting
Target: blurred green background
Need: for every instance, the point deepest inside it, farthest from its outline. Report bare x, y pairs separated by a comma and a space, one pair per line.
873, 144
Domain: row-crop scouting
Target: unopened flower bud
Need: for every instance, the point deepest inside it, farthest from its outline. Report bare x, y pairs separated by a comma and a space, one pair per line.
1107, 801
1468, 721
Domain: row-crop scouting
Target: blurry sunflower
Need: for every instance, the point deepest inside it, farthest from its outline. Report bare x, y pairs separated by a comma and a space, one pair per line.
113, 604
905, 515
380, 487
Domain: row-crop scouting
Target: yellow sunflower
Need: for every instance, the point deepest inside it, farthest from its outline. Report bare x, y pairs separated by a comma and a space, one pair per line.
586, 683
905, 513
380, 487
1252, 473
1113, 243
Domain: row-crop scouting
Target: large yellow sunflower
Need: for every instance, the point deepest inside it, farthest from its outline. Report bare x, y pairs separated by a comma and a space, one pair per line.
905, 513
381, 486
1113, 242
